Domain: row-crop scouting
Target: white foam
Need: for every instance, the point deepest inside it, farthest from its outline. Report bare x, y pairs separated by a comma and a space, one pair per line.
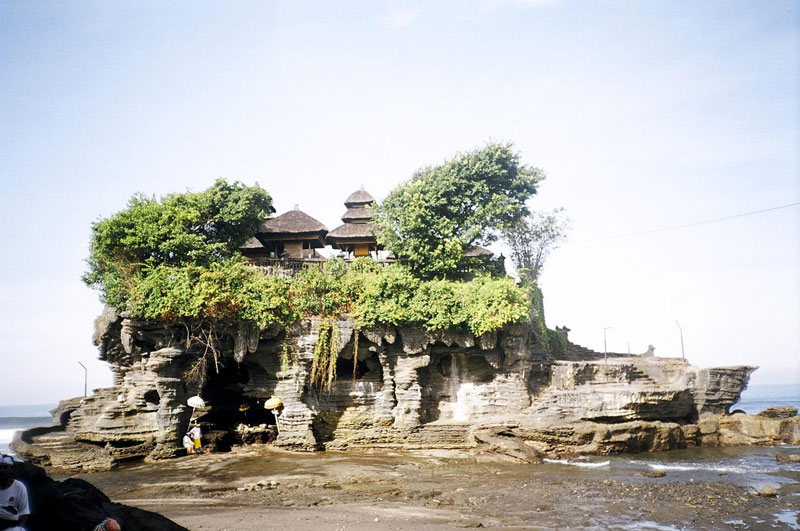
700, 468
584, 464
6, 436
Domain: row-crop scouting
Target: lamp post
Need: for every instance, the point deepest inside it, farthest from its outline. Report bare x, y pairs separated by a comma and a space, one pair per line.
683, 354
605, 347
85, 378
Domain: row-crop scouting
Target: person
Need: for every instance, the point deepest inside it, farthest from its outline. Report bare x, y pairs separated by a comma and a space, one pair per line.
14, 509
109, 524
196, 434
188, 443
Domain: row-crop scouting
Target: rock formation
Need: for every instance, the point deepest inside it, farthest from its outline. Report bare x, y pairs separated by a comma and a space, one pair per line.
395, 387
75, 505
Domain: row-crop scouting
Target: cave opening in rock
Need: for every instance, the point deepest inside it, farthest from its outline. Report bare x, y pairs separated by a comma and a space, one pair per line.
152, 397
234, 416
367, 368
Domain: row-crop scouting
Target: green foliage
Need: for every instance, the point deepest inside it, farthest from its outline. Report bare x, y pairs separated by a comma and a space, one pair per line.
326, 352
224, 292
176, 261
537, 301
533, 238
552, 341
356, 332
392, 295
492, 302
430, 221
557, 341
180, 230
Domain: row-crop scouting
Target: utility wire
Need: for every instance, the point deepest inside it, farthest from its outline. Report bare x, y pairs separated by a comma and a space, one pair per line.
676, 227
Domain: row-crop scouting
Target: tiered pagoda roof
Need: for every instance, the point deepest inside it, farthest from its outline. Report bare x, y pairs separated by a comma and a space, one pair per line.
358, 226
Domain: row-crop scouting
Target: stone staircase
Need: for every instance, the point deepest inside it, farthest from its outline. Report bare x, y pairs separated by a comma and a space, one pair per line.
639, 376
577, 352
58, 441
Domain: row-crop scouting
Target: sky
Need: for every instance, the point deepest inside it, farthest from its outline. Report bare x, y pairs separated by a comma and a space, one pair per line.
644, 116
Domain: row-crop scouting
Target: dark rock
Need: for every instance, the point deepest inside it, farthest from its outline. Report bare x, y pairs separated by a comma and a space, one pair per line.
656, 474
76, 505
779, 412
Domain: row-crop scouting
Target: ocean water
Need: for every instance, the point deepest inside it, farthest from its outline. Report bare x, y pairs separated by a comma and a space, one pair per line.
757, 398
14, 418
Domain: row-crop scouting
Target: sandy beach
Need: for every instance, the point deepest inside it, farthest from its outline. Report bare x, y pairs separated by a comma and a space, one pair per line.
259, 487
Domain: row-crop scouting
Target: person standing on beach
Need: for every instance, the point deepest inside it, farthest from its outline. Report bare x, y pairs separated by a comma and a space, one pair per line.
14, 508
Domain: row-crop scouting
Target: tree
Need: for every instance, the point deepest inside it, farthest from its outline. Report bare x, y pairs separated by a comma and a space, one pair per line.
187, 229
533, 238
431, 220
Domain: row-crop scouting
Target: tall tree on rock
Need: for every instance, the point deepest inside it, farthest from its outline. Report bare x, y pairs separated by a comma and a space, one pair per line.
533, 238
430, 221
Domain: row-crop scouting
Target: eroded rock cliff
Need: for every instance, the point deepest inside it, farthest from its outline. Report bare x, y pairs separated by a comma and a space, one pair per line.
395, 387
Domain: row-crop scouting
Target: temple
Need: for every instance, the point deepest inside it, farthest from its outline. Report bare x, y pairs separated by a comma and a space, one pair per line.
293, 234
296, 237
356, 236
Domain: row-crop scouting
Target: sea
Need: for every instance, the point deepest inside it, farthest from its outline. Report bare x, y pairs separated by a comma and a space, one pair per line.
15, 418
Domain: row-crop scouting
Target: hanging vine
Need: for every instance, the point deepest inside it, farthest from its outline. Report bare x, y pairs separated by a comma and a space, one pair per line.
323, 367
287, 358
355, 352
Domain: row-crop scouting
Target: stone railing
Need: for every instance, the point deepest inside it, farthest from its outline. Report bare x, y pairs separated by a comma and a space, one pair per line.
290, 266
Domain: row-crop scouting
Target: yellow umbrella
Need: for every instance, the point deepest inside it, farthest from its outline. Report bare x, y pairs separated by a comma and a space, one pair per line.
273, 403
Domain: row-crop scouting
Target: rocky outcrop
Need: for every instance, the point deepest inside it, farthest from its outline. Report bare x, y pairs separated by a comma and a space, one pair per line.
75, 505
395, 387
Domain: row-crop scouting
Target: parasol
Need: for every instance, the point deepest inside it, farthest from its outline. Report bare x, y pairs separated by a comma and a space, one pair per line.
196, 401
273, 403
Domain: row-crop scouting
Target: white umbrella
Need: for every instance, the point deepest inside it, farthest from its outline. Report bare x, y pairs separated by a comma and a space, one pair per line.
196, 401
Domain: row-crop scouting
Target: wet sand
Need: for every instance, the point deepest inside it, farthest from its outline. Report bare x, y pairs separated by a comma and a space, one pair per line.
430, 491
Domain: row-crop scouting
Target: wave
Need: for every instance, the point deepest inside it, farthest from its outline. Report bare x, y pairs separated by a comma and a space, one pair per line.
698, 467
584, 464
6, 436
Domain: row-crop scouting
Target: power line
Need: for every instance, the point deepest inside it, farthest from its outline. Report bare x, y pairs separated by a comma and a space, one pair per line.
696, 223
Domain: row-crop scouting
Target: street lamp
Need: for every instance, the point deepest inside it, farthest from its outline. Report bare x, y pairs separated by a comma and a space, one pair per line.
683, 354
605, 347
85, 378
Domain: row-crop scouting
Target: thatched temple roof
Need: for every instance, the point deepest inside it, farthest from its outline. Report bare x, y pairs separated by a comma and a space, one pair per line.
358, 214
475, 251
357, 221
292, 223
252, 243
359, 198
353, 231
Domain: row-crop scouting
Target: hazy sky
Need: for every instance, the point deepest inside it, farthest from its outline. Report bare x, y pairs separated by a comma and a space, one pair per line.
644, 116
